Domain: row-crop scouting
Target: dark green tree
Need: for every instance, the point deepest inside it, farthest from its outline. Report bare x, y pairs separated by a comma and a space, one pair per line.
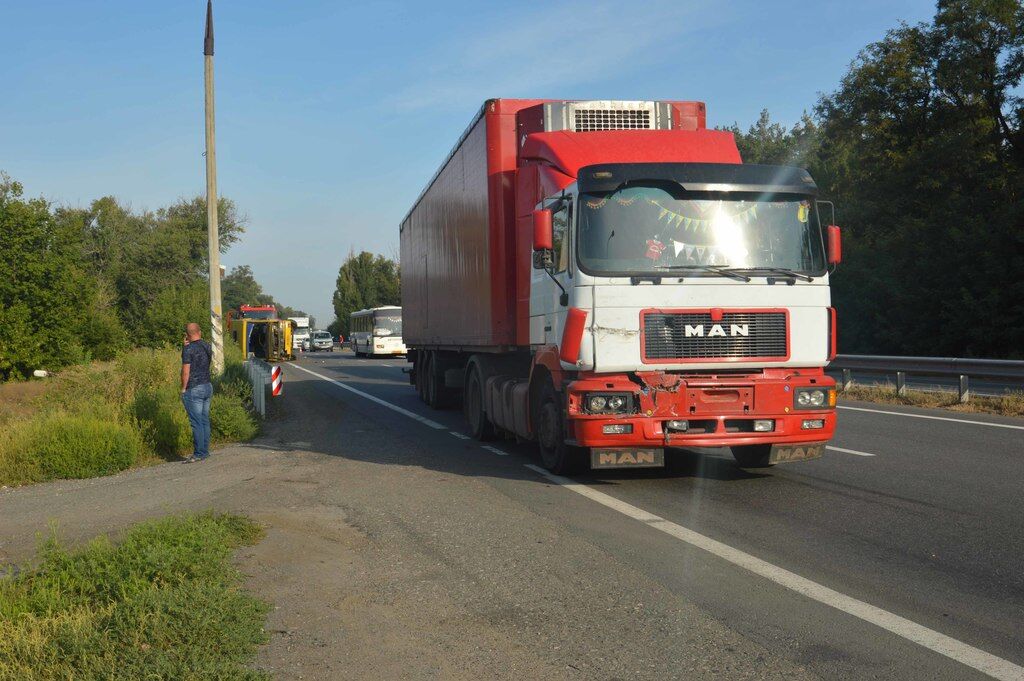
920, 148
772, 144
364, 280
44, 291
240, 287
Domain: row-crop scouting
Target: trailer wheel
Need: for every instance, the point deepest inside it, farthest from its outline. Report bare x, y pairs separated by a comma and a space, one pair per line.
555, 454
422, 369
752, 456
480, 426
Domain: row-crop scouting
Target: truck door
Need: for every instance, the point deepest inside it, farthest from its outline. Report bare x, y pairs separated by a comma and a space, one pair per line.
547, 314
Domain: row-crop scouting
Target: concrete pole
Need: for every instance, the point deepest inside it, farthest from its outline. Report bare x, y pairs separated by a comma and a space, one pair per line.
216, 324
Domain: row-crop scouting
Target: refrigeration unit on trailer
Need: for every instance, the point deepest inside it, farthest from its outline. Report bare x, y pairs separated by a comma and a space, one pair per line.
608, 279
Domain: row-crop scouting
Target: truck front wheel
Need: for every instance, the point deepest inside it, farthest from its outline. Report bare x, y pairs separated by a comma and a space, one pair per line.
752, 456
555, 454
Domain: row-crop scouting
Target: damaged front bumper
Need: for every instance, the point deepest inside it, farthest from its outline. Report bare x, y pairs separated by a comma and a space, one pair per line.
705, 410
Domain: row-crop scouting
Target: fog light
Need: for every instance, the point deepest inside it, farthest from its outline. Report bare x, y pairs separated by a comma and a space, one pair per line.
812, 424
677, 425
617, 428
764, 426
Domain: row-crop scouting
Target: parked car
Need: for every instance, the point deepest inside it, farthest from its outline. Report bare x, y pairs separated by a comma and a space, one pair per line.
321, 340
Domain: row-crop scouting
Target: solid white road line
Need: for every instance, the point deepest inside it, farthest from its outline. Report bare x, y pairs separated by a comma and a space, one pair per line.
495, 450
459, 435
976, 658
847, 451
987, 663
934, 418
405, 412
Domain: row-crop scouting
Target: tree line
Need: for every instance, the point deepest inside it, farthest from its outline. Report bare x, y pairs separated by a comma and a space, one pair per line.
921, 148
86, 283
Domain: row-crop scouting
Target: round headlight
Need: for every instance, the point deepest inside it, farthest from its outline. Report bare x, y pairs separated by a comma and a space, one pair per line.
811, 398
597, 403
616, 402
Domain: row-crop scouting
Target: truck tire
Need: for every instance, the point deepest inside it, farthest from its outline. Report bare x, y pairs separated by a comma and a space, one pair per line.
752, 456
421, 368
555, 454
480, 426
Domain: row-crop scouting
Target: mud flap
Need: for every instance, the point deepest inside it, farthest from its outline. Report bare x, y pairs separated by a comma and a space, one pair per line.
787, 453
626, 457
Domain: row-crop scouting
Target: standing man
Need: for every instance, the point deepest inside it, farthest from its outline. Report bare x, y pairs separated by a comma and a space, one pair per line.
196, 389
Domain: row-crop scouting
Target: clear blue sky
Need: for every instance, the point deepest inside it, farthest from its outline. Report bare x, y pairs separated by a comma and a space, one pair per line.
331, 116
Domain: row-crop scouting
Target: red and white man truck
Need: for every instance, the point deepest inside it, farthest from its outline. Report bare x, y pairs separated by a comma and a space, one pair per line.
610, 280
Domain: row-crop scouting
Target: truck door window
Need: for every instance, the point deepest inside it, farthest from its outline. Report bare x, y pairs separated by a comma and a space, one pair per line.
560, 237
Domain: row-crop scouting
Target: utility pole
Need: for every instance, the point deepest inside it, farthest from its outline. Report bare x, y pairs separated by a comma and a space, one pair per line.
216, 329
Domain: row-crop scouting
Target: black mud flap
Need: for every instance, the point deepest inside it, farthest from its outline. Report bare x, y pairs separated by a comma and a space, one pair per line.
787, 453
626, 457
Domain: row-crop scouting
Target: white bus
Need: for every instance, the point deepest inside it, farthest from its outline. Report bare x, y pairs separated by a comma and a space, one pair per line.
377, 331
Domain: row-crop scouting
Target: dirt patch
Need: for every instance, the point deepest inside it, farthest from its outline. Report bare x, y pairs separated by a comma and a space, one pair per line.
19, 399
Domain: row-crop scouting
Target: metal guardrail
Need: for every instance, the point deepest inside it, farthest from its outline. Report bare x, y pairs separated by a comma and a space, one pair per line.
954, 367
258, 372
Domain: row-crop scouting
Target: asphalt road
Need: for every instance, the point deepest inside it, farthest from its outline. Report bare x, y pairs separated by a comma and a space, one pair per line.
904, 540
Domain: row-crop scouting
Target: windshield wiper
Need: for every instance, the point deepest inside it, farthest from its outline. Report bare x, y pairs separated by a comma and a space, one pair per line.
782, 271
714, 269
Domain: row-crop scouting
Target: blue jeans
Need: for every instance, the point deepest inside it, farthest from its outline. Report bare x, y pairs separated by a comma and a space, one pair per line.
197, 405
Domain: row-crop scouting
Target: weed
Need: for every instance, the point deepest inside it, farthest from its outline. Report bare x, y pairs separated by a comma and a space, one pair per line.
163, 603
1010, 404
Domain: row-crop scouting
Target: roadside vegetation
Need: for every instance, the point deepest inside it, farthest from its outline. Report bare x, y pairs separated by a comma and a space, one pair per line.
1010, 404
164, 602
106, 417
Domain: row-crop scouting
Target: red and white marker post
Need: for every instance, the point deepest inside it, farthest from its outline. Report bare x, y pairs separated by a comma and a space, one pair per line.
276, 380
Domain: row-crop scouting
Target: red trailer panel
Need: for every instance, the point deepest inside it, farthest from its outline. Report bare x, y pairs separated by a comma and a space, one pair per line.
467, 242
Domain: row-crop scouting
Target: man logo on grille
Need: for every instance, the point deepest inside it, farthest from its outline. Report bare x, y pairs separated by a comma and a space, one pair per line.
717, 330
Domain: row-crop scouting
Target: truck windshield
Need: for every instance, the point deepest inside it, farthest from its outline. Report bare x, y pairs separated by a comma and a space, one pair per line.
651, 229
387, 325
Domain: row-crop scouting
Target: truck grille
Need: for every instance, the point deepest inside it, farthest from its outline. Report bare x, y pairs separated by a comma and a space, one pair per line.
587, 120
688, 335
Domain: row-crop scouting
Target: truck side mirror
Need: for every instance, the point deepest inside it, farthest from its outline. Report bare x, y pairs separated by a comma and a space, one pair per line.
835, 245
542, 234
543, 239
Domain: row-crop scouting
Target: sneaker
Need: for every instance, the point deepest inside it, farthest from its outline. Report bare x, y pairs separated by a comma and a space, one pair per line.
191, 459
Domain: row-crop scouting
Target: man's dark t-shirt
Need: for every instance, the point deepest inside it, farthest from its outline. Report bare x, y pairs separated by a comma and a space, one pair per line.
197, 354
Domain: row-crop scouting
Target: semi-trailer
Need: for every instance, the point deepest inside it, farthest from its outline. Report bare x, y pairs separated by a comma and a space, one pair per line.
610, 280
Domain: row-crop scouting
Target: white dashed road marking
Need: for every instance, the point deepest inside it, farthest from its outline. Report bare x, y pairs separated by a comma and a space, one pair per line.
847, 451
459, 435
495, 450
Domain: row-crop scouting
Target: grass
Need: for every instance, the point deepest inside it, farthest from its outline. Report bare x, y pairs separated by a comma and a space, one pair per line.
164, 603
106, 417
1010, 404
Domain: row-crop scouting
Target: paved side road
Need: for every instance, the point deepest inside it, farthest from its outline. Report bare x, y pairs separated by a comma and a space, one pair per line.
394, 553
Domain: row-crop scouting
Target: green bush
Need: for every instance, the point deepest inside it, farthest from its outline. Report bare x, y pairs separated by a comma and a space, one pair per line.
164, 603
229, 419
162, 419
59, 445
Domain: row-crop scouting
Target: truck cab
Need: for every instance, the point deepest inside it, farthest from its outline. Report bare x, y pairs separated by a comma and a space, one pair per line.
703, 295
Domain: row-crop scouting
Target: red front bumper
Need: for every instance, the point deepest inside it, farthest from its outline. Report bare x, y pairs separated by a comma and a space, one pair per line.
720, 409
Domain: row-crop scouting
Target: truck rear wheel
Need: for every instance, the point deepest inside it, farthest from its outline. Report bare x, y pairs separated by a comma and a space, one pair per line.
555, 454
480, 426
752, 456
